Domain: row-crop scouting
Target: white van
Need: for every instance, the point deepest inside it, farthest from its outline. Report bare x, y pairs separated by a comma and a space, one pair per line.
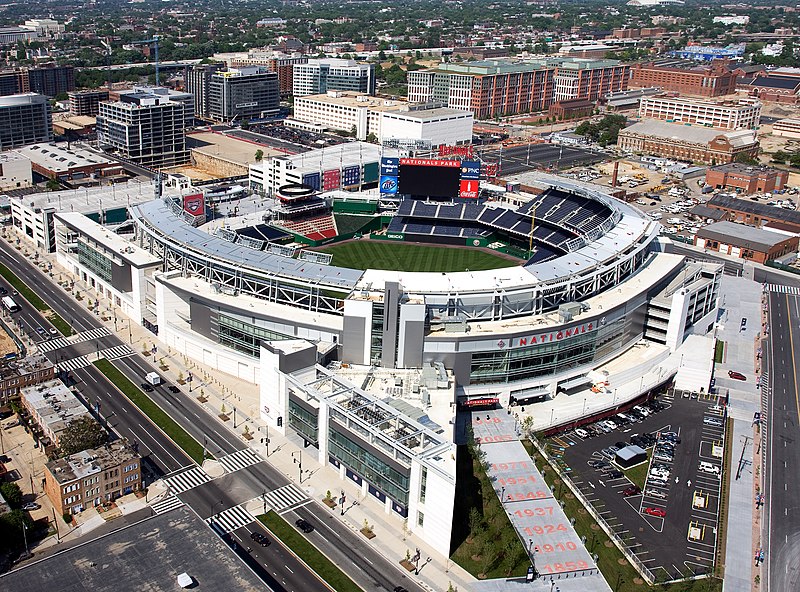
673, 221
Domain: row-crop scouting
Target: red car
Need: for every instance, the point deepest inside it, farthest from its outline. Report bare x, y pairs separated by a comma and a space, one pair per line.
736, 375
657, 512
632, 490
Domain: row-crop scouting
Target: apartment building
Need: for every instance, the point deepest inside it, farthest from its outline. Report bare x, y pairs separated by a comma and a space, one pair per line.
685, 77
146, 127
244, 93
731, 115
320, 76
51, 80
86, 102
587, 79
25, 119
93, 477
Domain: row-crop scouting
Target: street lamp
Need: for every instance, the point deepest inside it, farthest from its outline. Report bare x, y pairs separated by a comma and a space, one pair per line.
264, 499
299, 462
503, 495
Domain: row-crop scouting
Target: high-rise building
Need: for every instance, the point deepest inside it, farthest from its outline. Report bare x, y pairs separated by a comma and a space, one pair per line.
146, 127
13, 82
320, 76
244, 93
25, 119
275, 61
52, 80
198, 79
86, 102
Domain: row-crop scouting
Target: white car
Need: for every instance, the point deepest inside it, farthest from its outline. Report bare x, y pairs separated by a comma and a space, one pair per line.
707, 467
582, 433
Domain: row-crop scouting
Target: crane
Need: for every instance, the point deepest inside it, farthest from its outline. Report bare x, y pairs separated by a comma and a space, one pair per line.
154, 41
107, 45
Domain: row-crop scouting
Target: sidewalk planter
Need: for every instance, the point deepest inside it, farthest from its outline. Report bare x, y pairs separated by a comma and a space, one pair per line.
329, 502
407, 564
247, 436
368, 533
224, 417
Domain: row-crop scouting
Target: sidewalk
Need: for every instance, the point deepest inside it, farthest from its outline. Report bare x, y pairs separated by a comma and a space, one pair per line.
392, 540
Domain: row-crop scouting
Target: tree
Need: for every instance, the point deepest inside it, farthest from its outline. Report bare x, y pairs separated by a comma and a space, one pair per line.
259, 155
11, 524
81, 434
12, 494
745, 158
52, 185
372, 138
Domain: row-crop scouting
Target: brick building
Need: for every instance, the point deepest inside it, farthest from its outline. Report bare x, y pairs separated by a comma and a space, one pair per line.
749, 179
93, 477
571, 109
745, 242
24, 372
688, 78
696, 144
756, 213
771, 88
70, 163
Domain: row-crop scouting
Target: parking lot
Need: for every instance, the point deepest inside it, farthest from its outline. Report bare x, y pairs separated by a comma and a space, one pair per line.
671, 522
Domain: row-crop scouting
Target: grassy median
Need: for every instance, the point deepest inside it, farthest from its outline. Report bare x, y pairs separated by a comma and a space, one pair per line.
313, 557
175, 432
60, 324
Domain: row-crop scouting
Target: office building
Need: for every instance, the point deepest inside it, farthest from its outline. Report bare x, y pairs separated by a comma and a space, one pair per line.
319, 76
51, 80
685, 77
198, 79
750, 179
93, 477
25, 119
12, 35
787, 128
14, 82
45, 27
145, 127
682, 142
86, 102
72, 164
587, 79
275, 61
244, 93
730, 115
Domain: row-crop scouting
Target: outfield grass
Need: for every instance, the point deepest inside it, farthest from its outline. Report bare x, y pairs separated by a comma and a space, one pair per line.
319, 564
175, 432
397, 256
60, 324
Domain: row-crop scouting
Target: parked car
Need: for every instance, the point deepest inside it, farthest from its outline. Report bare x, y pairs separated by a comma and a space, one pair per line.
657, 512
712, 421
30, 506
304, 525
615, 474
707, 467
632, 490
655, 493
582, 433
736, 375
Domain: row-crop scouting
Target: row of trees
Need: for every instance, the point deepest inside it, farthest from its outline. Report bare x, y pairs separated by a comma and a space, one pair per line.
605, 131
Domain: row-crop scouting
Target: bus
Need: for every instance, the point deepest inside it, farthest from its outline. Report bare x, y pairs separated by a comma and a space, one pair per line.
9, 304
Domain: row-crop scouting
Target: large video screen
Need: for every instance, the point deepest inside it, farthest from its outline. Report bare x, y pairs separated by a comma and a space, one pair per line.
429, 180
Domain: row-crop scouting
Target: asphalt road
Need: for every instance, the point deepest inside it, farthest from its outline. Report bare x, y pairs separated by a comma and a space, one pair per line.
518, 159
782, 552
353, 555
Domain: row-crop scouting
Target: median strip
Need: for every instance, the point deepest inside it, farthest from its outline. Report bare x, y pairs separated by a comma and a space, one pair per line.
308, 553
159, 417
60, 324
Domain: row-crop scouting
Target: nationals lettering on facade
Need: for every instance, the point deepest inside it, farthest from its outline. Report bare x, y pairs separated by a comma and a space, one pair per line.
548, 337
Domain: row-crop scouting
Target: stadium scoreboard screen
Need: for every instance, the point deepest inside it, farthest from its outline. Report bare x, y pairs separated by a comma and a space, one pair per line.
429, 177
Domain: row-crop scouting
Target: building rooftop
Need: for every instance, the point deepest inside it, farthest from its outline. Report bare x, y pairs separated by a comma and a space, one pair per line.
60, 159
147, 555
92, 199
753, 207
781, 82
91, 461
741, 235
22, 99
687, 133
487, 67
744, 169
11, 156
431, 114
353, 99
339, 156
55, 405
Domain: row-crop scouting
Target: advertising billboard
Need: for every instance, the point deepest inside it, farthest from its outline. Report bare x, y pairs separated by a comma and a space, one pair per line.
331, 179
351, 176
388, 184
194, 204
371, 172
389, 166
312, 180
470, 169
469, 189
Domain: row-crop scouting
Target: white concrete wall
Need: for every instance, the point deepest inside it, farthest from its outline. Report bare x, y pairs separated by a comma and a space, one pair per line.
440, 496
677, 318
448, 132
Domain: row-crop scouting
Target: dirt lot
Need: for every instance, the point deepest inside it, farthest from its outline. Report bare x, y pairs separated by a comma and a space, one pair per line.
629, 169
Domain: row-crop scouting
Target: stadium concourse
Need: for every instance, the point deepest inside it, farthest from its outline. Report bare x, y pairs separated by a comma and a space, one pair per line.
253, 298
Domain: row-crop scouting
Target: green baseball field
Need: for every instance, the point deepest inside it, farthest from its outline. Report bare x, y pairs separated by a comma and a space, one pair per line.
397, 256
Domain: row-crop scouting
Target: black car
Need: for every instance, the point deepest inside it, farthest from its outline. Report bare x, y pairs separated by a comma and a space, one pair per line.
147, 387
399, 589
304, 525
260, 539
3, 291
621, 445
174, 389
614, 474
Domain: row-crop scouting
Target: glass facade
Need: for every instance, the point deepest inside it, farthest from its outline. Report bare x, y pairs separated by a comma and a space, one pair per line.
303, 422
357, 457
95, 261
522, 363
245, 337
376, 347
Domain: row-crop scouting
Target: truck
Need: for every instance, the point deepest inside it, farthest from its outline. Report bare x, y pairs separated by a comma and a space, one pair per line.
153, 378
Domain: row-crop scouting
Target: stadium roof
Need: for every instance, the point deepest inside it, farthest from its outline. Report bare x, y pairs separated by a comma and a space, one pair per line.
741, 235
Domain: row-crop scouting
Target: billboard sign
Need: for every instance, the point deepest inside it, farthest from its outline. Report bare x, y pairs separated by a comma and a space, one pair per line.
331, 179
312, 180
194, 204
469, 189
470, 169
389, 166
465, 151
433, 162
351, 176
388, 184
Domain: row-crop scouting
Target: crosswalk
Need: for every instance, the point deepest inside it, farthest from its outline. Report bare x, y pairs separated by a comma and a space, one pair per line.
54, 344
286, 498
186, 480
73, 364
166, 504
230, 519
116, 352
795, 290
239, 460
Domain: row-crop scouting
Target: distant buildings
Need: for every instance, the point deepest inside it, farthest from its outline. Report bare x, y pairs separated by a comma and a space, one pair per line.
244, 93
198, 82
773, 87
275, 61
93, 477
712, 80
45, 27
707, 53
654, 2
750, 179
731, 115
12, 35
320, 76
480, 53
86, 102
49, 80
25, 119
681, 142
146, 127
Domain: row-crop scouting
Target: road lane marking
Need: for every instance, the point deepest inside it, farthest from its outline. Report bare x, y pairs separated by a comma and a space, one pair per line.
794, 365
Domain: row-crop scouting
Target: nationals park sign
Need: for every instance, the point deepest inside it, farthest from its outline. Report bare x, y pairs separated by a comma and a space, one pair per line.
549, 337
